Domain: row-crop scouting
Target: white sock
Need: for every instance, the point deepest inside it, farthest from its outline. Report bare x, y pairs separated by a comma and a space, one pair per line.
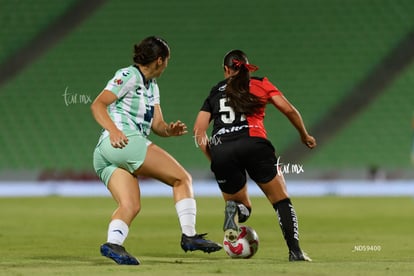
117, 231
186, 211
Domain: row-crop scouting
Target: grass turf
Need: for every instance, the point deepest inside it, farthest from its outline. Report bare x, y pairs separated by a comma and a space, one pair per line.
344, 236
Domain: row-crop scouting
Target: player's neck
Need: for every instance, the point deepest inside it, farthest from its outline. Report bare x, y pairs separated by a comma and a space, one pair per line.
145, 73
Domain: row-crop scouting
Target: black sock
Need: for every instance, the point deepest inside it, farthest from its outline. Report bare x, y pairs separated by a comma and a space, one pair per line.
288, 223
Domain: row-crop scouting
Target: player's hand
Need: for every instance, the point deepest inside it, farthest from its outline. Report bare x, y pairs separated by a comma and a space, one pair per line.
177, 128
309, 141
118, 139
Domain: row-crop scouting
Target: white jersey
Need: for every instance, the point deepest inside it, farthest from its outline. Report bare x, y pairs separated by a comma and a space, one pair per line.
134, 109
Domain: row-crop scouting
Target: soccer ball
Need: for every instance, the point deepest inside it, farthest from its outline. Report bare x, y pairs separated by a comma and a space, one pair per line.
245, 246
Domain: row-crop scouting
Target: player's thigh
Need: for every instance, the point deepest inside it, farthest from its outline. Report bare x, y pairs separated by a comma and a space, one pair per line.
227, 168
260, 160
230, 179
160, 165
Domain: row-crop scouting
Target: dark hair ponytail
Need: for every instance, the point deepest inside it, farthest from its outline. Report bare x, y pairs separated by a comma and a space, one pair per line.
237, 89
150, 49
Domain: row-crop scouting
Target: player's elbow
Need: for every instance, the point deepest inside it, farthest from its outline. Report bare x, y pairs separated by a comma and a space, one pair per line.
93, 107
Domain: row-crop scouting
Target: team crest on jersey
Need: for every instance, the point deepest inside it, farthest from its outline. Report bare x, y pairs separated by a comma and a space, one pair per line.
118, 81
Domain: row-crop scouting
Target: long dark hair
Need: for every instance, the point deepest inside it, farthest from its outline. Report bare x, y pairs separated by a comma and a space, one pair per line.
150, 49
237, 89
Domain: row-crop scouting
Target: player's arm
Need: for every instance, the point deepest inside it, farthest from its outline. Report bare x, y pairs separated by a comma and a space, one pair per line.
200, 132
281, 103
161, 128
100, 113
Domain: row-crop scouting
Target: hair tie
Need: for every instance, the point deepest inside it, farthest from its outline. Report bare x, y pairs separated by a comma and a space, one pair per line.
249, 67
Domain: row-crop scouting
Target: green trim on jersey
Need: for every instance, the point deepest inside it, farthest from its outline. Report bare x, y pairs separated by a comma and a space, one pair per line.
134, 109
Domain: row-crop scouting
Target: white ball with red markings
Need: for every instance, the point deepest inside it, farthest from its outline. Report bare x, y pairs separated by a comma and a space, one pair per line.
245, 246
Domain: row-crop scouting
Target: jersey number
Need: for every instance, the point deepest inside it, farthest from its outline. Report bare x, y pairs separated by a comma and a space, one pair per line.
228, 115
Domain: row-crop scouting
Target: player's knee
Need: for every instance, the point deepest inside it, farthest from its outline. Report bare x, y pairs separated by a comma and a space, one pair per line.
132, 208
183, 179
136, 209
187, 178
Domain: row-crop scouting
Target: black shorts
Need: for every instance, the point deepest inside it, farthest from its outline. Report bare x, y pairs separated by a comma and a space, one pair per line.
230, 160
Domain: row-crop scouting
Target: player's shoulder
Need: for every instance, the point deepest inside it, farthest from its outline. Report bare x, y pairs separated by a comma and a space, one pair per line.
261, 81
219, 87
256, 79
265, 85
123, 75
127, 72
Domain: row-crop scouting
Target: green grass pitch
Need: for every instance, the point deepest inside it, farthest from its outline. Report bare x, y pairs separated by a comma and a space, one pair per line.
344, 236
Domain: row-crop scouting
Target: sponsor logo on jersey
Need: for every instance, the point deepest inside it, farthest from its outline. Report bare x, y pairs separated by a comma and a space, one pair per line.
118, 81
232, 129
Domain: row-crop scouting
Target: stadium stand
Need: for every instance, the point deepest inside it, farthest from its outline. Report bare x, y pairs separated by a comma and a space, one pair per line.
22, 20
314, 51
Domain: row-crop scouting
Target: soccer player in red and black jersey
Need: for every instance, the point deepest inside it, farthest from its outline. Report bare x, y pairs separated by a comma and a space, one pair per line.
239, 144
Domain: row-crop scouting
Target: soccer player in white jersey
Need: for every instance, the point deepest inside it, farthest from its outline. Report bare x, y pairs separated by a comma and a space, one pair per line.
128, 109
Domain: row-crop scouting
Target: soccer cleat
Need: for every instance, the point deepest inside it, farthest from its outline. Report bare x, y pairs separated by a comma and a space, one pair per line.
230, 227
118, 254
198, 242
243, 212
298, 256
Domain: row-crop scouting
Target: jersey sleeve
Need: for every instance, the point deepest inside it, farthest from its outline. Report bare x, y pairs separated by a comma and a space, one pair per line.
156, 92
270, 88
119, 84
206, 106
207, 102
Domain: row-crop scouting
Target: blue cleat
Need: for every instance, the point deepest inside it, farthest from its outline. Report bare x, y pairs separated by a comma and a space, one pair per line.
198, 242
118, 254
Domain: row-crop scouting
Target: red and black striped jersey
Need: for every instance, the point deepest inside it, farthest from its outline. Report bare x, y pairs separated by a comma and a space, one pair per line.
229, 124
